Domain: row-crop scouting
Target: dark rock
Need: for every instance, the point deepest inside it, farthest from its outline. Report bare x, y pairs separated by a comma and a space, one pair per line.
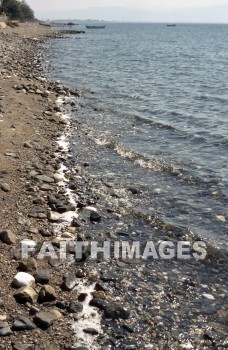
82, 297
75, 223
91, 331
61, 305
95, 217
99, 303
116, 312
42, 277
109, 277
100, 287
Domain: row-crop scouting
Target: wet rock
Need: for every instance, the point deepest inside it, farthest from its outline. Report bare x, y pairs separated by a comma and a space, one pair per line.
82, 297
5, 329
69, 282
100, 286
8, 237
109, 277
116, 312
91, 331
23, 279
47, 293
26, 294
95, 217
5, 187
75, 223
74, 307
22, 323
61, 305
42, 277
99, 303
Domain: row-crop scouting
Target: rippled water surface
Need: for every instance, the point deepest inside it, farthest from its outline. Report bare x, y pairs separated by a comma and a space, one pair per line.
155, 105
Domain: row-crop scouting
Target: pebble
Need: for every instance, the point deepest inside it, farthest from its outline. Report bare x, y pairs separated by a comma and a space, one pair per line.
5, 187
95, 217
23, 323
8, 237
5, 329
42, 277
23, 279
208, 296
26, 294
44, 319
47, 293
28, 265
69, 282
75, 307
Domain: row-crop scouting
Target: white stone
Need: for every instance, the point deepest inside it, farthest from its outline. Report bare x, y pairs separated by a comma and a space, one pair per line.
23, 279
58, 178
208, 296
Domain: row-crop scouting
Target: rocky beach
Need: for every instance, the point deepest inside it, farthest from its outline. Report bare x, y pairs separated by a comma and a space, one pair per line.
49, 195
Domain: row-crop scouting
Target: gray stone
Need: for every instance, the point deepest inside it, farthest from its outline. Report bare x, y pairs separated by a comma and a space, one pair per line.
20, 346
5, 329
8, 237
22, 323
5, 187
46, 187
75, 307
45, 319
44, 178
69, 282
42, 277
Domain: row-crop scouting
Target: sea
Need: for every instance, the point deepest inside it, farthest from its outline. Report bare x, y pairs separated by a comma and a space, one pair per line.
154, 108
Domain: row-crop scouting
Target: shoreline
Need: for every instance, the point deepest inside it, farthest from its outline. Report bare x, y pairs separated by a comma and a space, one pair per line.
139, 306
31, 122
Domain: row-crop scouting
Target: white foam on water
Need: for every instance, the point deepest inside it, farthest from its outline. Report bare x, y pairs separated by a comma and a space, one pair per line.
88, 318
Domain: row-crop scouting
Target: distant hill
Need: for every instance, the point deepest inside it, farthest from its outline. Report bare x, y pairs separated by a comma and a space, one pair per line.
209, 14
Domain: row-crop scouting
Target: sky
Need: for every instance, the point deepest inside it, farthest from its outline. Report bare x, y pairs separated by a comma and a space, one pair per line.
63, 9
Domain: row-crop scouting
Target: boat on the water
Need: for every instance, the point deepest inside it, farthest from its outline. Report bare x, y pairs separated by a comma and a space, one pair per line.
95, 27
171, 25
